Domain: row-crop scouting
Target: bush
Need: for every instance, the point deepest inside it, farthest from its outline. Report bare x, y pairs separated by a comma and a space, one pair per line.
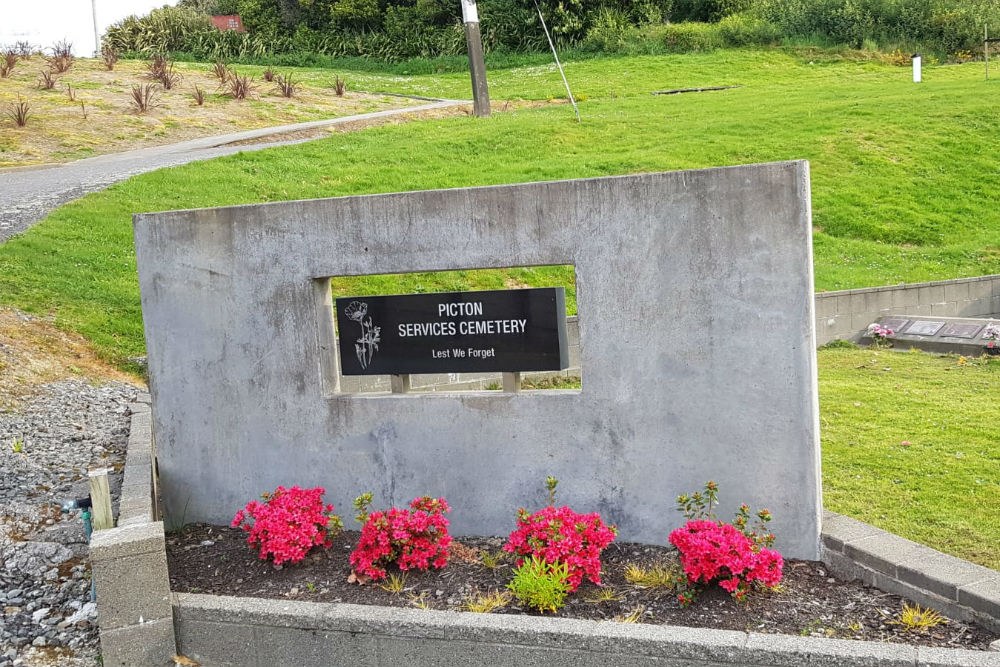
734, 555
162, 30
288, 523
416, 538
686, 37
541, 584
744, 30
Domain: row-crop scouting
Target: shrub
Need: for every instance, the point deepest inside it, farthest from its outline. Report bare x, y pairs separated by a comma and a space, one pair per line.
10, 58
167, 77
286, 86
560, 535
339, 86
70, 93
416, 538
239, 87
199, 95
144, 97
5, 70
541, 584
220, 71
288, 524
733, 555
686, 37
161, 31
47, 81
62, 57
268, 75
19, 114
745, 30
110, 56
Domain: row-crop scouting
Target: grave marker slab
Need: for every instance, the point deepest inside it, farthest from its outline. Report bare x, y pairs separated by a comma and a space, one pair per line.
962, 330
695, 295
924, 328
895, 323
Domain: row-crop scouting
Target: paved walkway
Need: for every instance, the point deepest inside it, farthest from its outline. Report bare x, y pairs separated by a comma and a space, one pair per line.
27, 194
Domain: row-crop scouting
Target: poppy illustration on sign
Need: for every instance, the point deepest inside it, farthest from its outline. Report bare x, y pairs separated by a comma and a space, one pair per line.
366, 346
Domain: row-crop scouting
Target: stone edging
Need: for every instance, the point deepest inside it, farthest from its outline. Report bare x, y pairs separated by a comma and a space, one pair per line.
143, 624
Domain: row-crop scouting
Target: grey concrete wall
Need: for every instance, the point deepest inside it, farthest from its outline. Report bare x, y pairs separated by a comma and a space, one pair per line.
846, 314
240, 632
695, 295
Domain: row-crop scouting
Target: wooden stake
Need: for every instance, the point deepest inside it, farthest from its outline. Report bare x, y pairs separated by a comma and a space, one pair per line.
100, 498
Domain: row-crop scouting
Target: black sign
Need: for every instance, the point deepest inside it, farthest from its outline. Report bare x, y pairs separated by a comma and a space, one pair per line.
453, 332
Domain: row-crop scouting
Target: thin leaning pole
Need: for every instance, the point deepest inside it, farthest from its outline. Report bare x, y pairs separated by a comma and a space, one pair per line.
558, 64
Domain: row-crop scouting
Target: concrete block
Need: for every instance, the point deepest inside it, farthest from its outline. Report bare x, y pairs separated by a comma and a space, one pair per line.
838, 530
686, 645
930, 294
861, 320
940, 573
956, 291
942, 657
150, 644
882, 552
224, 316
944, 309
143, 397
126, 542
131, 588
826, 306
394, 652
903, 297
982, 596
878, 300
302, 646
135, 408
859, 302
981, 289
923, 310
220, 644
843, 304
789, 651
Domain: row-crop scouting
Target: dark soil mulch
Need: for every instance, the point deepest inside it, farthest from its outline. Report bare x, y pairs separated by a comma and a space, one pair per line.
217, 560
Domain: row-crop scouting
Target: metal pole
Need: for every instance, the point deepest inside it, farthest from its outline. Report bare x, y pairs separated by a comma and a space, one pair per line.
477, 63
97, 37
986, 49
558, 64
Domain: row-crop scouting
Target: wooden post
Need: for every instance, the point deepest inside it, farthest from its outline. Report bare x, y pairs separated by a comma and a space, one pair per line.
100, 498
986, 48
400, 384
512, 382
477, 62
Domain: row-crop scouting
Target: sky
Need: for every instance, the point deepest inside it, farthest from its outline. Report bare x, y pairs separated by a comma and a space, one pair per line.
43, 22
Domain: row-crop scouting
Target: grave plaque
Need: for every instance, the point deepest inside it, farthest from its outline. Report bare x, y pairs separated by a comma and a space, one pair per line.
959, 330
895, 323
924, 327
453, 332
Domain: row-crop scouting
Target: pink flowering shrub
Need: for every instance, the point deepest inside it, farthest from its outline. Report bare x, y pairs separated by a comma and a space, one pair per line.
288, 523
731, 554
416, 538
560, 535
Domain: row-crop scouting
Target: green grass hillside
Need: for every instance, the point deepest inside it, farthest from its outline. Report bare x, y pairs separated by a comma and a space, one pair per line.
903, 180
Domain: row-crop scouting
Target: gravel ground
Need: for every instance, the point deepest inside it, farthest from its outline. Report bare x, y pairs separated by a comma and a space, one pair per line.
47, 444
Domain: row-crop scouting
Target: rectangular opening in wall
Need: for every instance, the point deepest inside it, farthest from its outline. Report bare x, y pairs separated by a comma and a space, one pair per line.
508, 329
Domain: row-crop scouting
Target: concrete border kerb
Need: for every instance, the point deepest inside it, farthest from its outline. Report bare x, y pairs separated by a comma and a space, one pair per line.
143, 624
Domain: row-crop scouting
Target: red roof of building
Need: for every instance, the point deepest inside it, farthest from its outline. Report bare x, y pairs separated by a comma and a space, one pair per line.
226, 22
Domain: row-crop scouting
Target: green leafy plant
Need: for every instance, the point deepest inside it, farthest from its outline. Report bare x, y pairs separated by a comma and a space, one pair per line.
17, 445
540, 584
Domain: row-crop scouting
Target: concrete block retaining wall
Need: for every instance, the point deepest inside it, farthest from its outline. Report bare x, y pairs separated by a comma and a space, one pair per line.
143, 624
846, 314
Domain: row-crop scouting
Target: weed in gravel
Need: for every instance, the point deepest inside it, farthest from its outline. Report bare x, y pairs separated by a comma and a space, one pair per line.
603, 595
484, 603
394, 584
632, 617
654, 576
916, 619
17, 446
19, 112
145, 96
419, 601
493, 560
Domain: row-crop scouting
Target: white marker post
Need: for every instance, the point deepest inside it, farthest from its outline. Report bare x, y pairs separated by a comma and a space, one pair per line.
477, 63
917, 62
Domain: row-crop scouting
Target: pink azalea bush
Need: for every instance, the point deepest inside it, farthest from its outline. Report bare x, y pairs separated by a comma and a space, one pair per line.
560, 535
288, 523
416, 538
733, 554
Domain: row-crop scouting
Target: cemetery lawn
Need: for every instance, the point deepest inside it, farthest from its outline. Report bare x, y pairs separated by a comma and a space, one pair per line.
911, 444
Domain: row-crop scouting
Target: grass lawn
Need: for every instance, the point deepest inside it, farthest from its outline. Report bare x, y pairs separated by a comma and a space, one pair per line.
910, 445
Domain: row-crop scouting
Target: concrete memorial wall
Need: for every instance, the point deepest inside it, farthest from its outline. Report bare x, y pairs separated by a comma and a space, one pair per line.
696, 337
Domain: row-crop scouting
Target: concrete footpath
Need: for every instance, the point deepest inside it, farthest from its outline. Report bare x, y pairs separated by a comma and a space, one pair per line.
27, 194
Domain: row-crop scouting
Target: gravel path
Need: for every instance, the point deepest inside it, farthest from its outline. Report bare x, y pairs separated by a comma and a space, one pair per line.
28, 194
60, 431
